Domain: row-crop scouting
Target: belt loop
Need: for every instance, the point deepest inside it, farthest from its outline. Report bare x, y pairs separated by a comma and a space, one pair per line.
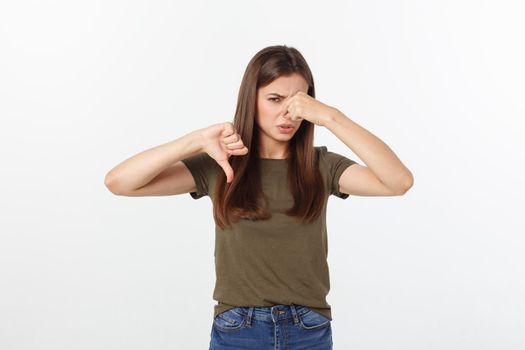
249, 316
294, 314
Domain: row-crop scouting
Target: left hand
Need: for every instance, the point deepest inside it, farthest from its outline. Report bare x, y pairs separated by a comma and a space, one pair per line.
303, 106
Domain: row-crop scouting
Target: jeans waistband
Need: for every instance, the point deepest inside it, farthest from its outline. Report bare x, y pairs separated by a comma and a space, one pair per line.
272, 313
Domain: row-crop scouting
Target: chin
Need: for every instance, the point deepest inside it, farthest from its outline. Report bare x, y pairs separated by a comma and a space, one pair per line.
284, 137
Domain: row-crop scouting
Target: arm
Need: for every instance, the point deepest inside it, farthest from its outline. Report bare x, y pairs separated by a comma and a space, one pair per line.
384, 173
157, 168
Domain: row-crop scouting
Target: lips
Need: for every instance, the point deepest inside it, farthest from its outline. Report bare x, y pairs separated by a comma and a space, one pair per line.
285, 128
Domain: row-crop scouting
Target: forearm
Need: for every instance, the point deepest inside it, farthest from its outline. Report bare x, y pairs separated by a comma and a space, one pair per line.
377, 156
141, 168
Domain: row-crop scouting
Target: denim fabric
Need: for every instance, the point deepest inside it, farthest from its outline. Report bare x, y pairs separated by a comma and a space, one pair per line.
279, 327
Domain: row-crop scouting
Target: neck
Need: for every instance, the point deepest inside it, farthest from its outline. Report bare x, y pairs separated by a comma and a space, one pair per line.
273, 149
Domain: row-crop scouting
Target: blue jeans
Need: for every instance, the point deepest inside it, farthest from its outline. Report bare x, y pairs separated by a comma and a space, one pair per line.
283, 327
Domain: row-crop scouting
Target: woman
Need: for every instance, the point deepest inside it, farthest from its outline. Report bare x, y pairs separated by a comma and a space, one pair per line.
269, 186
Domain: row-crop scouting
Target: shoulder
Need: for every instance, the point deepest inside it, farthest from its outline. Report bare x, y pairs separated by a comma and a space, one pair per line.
330, 157
202, 166
333, 164
204, 170
201, 160
321, 151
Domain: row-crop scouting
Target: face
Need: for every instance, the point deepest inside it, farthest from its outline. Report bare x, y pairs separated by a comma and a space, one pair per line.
270, 100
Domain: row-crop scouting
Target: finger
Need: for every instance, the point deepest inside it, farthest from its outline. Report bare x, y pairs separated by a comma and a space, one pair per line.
284, 109
228, 129
225, 165
289, 115
232, 138
238, 151
235, 145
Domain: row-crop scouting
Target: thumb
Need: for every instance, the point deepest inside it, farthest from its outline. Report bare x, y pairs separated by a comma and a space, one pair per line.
225, 165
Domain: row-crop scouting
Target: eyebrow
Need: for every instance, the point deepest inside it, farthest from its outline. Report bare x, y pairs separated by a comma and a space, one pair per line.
274, 93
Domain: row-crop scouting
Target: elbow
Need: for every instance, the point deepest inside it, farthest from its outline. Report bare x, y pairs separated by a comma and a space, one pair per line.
111, 184
406, 185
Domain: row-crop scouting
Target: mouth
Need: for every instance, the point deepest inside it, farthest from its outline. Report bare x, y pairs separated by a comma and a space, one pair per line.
285, 128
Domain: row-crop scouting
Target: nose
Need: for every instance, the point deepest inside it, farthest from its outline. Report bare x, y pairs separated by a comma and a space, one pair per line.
287, 117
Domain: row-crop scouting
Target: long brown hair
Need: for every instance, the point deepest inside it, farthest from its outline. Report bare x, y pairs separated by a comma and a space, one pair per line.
242, 197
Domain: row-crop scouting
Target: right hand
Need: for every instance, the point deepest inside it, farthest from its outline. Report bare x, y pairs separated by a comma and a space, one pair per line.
220, 142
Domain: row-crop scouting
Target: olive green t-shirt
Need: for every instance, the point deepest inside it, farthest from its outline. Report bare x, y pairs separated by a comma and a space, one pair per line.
276, 261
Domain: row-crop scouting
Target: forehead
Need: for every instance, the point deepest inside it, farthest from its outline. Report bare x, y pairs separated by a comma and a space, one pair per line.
285, 85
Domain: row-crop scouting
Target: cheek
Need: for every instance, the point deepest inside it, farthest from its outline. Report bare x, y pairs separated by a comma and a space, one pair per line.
263, 109
263, 113
269, 111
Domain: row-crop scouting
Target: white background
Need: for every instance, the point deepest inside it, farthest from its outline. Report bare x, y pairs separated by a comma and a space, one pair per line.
87, 84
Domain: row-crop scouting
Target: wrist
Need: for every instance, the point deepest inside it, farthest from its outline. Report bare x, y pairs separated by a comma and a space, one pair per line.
331, 117
198, 140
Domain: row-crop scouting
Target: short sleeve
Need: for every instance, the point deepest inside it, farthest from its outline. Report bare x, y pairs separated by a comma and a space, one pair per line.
200, 166
335, 165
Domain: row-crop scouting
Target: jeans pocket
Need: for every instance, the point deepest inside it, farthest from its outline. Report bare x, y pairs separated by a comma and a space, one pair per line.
229, 321
311, 320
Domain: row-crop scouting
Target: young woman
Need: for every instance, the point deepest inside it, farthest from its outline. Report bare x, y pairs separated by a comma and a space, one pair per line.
269, 187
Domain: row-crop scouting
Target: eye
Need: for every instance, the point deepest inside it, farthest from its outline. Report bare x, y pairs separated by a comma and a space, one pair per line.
273, 99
